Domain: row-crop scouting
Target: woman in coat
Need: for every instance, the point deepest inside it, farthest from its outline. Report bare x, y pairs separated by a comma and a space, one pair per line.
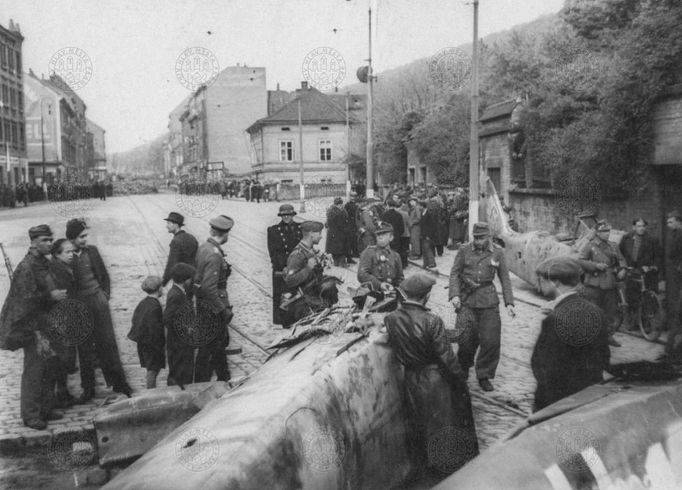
337, 232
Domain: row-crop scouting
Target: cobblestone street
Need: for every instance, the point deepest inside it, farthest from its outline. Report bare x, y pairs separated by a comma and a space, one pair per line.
132, 237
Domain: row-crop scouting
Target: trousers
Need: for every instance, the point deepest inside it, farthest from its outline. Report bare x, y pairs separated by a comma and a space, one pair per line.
37, 385
479, 327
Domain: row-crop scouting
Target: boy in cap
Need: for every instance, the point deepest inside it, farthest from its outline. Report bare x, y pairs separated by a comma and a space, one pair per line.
472, 290
23, 321
603, 265
183, 246
282, 238
211, 292
437, 396
380, 265
147, 330
572, 349
178, 301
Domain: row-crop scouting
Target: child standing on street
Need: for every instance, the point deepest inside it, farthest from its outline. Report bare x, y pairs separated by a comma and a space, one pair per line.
147, 330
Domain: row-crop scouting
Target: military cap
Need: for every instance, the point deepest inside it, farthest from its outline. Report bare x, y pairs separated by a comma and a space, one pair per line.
38, 231
75, 227
338, 200
221, 223
308, 226
176, 218
151, 284
603, 225
286, 210
383, 227
565, 269
417, 284
181, 272
481, 229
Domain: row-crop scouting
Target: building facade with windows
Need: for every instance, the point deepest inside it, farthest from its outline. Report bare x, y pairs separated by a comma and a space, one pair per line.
96, 151
324, 134
13, 159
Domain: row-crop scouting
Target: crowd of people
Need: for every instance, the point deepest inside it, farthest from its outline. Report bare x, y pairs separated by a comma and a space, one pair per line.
25, 193
251, 190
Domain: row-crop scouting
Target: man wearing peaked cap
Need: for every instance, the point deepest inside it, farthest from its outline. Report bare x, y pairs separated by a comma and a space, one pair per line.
210, 281
183, 247
603, 265
572, 349
379, 265
437, 393
282, 239
312, 227
472, 290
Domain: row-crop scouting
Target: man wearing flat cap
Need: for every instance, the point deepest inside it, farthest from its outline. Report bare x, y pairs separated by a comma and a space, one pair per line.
303, 274
23, 324
183, 246
603, 265
572, 349
435, 385
210, 282
381, 266
282, 238
94, 290
473, 295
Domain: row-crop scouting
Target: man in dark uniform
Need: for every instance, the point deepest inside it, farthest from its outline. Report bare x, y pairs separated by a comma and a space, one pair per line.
642, 252
183, 246
436, 393
213, 303
282, 238
379, 264
94, 290
673, 279
303, 275
23, 324
603, 265
352, 209
395, 219
472, 290
572, 349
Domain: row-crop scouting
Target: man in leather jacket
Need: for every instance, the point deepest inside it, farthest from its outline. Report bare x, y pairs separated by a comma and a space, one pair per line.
437, 397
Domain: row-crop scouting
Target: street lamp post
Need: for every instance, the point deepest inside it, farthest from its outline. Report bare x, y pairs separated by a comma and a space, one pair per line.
370, 113
42, 142
474, 170
300, 160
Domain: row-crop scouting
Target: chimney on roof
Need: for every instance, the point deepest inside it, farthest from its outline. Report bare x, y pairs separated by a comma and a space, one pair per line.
278, 86
11, 25
304, 85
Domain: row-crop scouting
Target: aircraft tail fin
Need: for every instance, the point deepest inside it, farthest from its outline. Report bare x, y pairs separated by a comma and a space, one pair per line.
495, 215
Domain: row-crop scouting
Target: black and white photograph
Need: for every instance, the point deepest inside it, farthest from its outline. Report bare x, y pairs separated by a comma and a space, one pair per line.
341, 244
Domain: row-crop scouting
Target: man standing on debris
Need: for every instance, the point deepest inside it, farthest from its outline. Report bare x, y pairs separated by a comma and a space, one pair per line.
603, 265
438, 401
572, 349
183, 246
213, 303
23, 324
474, 297
379, 264
282, 238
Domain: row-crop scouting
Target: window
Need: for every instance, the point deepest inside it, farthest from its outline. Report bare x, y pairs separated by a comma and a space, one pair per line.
325, 128
286, 151
286, 129
325, 150
18, 62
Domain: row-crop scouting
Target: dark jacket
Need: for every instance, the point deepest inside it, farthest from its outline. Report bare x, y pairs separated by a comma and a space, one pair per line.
211, 276
649, 253
379, 265
147, 330
25, 308
429, 224
598, 251
393, 217
61, 277
183, 249
282, 239
564, 362
98, 268
337, 233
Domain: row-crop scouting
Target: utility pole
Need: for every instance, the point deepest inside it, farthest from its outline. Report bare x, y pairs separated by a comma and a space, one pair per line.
370, 112
474, 170
42, 141
348, 143
300, 160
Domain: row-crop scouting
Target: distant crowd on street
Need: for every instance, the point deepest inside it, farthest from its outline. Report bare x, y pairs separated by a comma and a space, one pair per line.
25, 193
251, 190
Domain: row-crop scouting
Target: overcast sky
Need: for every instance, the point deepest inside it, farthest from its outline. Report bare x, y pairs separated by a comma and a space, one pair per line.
134, 44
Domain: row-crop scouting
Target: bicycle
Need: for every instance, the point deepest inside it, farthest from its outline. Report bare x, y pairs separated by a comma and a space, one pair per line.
649, 315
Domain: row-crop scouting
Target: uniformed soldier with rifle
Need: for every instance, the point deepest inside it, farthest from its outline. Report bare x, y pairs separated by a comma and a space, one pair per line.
380, 265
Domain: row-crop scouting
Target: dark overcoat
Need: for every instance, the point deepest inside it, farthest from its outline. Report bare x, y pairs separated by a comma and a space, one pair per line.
337, 231
147, 331
183, 249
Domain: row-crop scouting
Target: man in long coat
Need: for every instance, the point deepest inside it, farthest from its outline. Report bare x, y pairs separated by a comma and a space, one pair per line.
337, 234
282, 238
23, 324
352, 209
178, 309
437, 398
183, 246
572, 349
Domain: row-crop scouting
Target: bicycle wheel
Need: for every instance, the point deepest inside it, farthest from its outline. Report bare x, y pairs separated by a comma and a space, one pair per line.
651, 315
